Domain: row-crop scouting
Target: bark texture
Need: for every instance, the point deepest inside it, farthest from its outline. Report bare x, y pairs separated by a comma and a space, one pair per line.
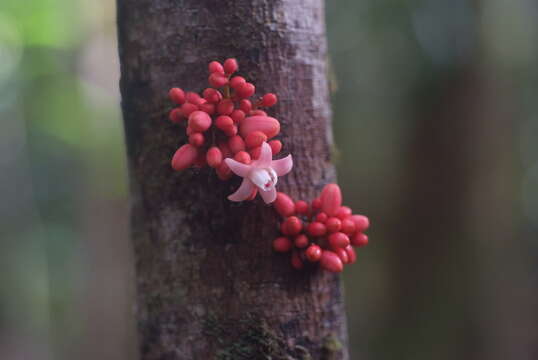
209, 285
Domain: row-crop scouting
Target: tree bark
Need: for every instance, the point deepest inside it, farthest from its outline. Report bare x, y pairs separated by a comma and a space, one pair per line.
209, 285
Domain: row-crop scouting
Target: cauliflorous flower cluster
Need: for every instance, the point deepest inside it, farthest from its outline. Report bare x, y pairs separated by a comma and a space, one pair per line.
229, 132
323, 231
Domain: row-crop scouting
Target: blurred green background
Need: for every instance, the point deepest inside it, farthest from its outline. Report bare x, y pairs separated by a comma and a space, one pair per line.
435, 117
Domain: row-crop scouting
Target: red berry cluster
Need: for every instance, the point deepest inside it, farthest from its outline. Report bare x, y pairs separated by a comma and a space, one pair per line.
323, 231
223, 122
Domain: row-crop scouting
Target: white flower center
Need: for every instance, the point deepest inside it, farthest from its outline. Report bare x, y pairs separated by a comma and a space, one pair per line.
265, 179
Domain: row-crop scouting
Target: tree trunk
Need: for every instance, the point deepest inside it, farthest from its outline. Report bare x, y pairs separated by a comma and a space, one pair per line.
209, 284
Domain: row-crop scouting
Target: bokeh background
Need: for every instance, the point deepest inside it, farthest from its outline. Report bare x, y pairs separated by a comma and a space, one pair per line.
436, 125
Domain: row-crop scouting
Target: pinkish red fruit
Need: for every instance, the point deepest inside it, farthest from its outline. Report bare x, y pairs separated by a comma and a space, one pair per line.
187, 109
199, 121
175, 116
255, 153
177, 95
284, 205
217, 80
215, 67
361, 222
237, 81
207, 107
245, 90
301, 207
331, 199
276, 146
282, 244
321, 217
196, 139
236, 144
224, 172
242, 157
193, 98
359, 239
184, 157
212, 96
214, 157
258, 112
224, 122
344, 212
342, 254
269, 100
225, 107
301, 241
292, 226
268, 125
237, 116
351, 254
330, 261
333, 224
316, 204
313, 253
230, 66
245, 105
348, 226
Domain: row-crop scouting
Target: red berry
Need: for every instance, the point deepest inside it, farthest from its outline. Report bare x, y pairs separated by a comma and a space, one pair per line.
296, 261
338, 240
177, 95
193, 98
284, 205
230, 66
224, 122
269, 100
255, 139
351, 254
348, 226
217, 80
313, 253
291, 226
331, 199
196, 139
266, 124
282, 244
245, 90
316, 229
236, 144
224, 172
342, 254
184, 157
276, 146
216, 67
258, 113
301, 241
211, 95
207, 107
225, 107
214, 157
361, 222
237, 116
333, 224
242, 157
232, 131
330, 261
359, 239
245, 105
321, 217
301, 207
344, 212
199, 121
187, 109
175, 116
237, 81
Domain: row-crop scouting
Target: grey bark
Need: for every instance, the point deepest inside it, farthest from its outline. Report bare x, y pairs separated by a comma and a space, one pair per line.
208, 283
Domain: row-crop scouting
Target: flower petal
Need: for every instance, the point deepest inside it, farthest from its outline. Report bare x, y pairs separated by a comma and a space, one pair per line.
266, 156
282, 166
244, 191
268, 196
238, 168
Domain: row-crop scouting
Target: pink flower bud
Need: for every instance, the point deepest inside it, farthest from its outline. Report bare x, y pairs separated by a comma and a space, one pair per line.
217, 80
351, 254
230, 66
236, 144
359, 239
276, 146
177, 95
269, 100
225, 107
331, 199
316, 229
291, 226
284, 205
245, 90
216, 67
301, 241
361, 222
255, 139
333, 224
184, 157
237, 81
199, 121
338, 240
268, 125
330, 261
282, 244
196, 139
214, 157
313, 253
